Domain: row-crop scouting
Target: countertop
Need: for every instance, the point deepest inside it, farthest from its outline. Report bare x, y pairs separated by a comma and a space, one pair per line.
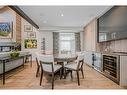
116, 53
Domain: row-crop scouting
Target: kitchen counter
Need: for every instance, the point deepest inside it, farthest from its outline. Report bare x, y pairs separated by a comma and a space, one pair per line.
116, 53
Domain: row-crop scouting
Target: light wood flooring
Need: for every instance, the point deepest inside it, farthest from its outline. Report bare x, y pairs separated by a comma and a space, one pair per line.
24, 78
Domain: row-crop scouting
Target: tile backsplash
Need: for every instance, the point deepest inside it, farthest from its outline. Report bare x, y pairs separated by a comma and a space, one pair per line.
113, 46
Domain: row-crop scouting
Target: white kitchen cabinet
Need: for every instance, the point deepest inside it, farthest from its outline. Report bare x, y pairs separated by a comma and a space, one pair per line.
123, 71
88, 57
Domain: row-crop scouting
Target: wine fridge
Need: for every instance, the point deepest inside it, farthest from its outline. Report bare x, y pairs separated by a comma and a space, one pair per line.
111, 67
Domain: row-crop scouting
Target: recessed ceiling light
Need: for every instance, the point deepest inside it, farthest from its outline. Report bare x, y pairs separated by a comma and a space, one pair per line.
62, 14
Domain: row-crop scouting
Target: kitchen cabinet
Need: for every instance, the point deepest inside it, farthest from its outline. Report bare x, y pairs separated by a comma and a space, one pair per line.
88, 57
115, 67
123, 71
97, 61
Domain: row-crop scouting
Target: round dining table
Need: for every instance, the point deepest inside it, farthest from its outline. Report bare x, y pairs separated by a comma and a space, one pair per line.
63, 59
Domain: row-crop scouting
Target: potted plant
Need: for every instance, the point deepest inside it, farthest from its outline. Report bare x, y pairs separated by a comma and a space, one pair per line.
14, 54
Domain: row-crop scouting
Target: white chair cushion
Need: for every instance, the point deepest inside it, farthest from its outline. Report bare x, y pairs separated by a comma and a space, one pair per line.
48, 67
45, 58
71, 66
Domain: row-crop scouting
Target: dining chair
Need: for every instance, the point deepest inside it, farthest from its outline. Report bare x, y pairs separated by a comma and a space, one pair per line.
47, 65
76, 66
38, 65
64, 52
48, 52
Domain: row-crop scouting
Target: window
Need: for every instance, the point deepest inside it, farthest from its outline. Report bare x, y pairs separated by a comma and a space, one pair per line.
67, 42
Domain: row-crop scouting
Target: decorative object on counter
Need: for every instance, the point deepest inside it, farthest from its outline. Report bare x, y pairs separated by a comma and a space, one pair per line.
31, 35
14, 54
30, 43
6, 30
28, 28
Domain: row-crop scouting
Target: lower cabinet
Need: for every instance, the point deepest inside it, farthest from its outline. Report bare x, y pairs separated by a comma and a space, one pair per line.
115, 68
123, 71
88, 57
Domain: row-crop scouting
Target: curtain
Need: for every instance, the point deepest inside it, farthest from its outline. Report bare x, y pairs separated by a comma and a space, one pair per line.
55, 42
77, 42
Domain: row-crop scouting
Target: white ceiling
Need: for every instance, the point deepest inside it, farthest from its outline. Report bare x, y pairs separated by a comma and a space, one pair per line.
63, 16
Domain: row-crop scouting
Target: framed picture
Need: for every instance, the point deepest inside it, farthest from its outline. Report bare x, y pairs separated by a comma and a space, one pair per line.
31, 34
28, 28
30, 43
6, 30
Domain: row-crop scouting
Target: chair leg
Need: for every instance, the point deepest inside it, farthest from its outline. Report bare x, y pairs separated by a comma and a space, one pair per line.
60, 73
65, 73
78, 77
37, 71
71, 75
82, 72
41, 77
53, 81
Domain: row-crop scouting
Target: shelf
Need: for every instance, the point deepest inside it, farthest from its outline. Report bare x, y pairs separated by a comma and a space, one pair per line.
111, 72
110, 66
110, 69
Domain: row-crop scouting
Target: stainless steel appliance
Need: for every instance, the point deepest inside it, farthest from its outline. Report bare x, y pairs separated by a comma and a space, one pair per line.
111, 66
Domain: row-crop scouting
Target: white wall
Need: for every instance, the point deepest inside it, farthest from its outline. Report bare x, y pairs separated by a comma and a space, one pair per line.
49, 40
39, 35
24, 36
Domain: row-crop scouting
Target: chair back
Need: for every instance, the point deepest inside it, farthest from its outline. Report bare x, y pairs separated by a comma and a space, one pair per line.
65, 52
48, 52
80, 61
46, 62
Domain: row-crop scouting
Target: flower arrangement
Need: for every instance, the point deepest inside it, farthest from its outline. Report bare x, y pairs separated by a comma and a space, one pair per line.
14, 54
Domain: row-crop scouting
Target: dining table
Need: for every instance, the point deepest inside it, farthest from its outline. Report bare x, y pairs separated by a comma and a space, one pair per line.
64, 59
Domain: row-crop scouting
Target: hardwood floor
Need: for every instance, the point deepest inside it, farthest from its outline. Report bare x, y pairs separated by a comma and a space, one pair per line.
25, 78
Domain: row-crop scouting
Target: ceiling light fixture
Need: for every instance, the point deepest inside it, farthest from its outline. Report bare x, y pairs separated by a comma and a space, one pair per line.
62, 15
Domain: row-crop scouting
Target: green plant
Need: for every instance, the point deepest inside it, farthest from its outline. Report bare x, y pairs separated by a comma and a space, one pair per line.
14, 54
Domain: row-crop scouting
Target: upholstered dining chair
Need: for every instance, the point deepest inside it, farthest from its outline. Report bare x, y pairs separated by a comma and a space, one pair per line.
47, 65
76, 66
38, 64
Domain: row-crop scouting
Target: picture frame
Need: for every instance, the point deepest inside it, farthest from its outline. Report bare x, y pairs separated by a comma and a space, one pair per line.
31, 34
6, 30
28, 28
30, 43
